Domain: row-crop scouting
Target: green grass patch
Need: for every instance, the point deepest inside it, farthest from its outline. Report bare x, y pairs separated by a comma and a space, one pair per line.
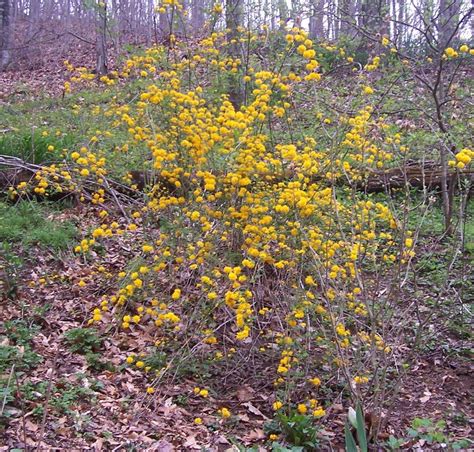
26, 223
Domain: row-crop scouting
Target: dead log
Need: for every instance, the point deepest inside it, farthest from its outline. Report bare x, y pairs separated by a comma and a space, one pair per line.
427, 177
422, 175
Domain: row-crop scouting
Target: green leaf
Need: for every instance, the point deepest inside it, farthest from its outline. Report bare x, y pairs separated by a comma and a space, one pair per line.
351, 445
361, 433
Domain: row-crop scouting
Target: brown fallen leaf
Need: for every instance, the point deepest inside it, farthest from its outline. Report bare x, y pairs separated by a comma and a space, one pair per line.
191, 443
98, 444
254, 410
426, 397
164, 446
245, 394
254, 435
30, 426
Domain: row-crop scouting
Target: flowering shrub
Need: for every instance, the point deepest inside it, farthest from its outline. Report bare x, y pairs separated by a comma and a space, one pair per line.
250, 237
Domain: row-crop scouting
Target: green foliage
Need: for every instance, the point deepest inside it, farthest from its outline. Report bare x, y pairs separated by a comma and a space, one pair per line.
358, 423
156, 360
69, 396
83, 340
299, 430
22, 358
32, 147
277, 447
20, 331
426, 429
432, 433
64, 398
10, 266
87, 342
394, 443
17, 353
26, 223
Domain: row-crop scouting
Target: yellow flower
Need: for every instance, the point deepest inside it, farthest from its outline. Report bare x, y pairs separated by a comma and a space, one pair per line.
204, 393
277, 405
360, 380
368, 90
224, 412
176, 294
302, 408
198, 421
319, 412
450, 52
150, 390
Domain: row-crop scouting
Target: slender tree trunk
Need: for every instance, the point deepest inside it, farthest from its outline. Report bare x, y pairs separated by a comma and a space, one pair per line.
283, 13
374, 19
448, 19
34, 17
164, 26
345, 17
197, 16
316, 21
4, 33
234, 19
400, 35
101, 40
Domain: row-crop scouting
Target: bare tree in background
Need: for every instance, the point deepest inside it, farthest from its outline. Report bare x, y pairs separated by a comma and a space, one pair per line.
374, 15
4, 33
234, 20
101, 38
197, 15
448, 20
283, 12
316, 20
345, 17
35, 24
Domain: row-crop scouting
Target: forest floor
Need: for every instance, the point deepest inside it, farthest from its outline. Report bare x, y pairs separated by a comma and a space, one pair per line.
63, 398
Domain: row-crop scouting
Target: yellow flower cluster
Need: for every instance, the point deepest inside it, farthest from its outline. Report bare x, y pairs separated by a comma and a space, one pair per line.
463, 159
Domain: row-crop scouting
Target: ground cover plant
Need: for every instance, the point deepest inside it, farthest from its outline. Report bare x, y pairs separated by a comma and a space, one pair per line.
264, 249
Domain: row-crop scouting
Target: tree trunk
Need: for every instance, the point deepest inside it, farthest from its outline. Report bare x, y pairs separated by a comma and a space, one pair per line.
448, 20
374, 19
283, 13
316, 21
233, 17
164, 22
4, 33
345, 17
197, 16
399, 37
101, 40
35, 12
